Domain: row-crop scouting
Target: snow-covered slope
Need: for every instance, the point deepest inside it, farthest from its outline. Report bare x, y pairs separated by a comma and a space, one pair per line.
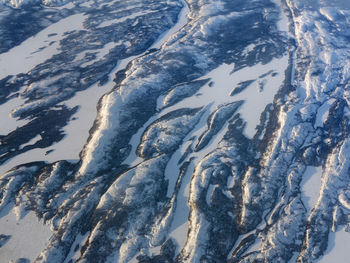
221, 132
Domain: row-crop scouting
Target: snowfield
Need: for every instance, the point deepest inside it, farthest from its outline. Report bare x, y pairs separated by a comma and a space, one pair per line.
174, 131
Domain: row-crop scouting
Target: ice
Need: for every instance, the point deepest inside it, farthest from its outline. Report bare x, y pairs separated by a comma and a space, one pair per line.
8, 123
123, 19
182, 20
338, 248
255, 98
77, 130
101, 53
209, 193
311, 186
179, 227
283, 19
29, 236
105, 130
37, 49
75, 254
31, 142
255, 247
322, 113
132, 159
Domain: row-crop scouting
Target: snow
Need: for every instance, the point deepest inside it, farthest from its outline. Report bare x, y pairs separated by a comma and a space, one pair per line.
210, 97
79, 241
322, 113
95, 146
36, 49
16, 3
181, 22
132, 159
31, 142
101, 53
68, 5
29, 236
179, 227
77, 130
8, 123
230, 182
254, 247
338, 248
209, 193
123, 19
311, 185
283, 19
255, 99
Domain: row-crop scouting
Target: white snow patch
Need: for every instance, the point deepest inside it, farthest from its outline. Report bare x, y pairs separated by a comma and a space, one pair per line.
255, 247
38, 49
179, 226
101, 53
110, 102
248, 49
8, 123
29, 236
133, 159
311, 185
31, 142
181, 22
338, 248
153, 251
77, 130
123, 19
283, 19
209, 193
255, 98
230, 182
322, 113
79, 241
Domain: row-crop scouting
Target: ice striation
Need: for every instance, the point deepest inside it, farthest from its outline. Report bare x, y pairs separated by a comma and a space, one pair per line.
211, 117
